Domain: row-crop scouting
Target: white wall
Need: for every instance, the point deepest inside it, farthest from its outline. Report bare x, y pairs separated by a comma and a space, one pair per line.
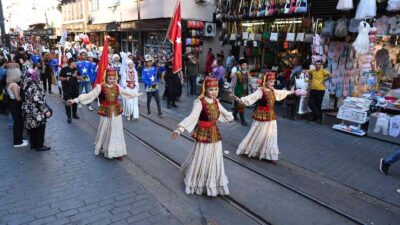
151, 9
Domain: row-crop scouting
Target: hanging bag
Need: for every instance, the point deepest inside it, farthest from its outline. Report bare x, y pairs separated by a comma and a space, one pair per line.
234, 32
274, 34
302, 6
393, 5
266, 34
291, 35
341, 29
329, 28
345, 5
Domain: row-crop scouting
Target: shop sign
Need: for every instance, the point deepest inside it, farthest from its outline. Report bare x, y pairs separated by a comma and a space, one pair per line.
97, 27
128, 26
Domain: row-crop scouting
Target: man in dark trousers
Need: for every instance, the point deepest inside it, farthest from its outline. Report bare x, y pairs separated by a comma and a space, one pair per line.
192, 70
69, 77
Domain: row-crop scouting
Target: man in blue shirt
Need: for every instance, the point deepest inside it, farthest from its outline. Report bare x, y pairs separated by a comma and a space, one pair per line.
93, 68
150, 81
54, 65
36, 59
85, 69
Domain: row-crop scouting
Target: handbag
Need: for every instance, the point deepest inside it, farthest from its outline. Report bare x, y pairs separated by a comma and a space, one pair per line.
274, 35
233, 36
354, 24
300, 37
341, 29
302, 6
393, 5
291, 35
252, 36
50, 110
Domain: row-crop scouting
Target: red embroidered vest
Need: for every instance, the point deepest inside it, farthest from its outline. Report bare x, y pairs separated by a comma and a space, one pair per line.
206, 130
265, 107
109, 104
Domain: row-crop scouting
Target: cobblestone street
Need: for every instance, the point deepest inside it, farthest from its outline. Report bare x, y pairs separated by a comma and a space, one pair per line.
69, 185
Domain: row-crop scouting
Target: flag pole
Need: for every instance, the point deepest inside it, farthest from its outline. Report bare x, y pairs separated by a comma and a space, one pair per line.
170, 23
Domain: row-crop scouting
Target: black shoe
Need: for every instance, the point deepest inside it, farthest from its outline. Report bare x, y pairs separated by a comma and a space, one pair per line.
168, 106
384, 167
174, 105
33, 147
50, 92
76, 117
244, 123
44, 148
164, 98
160, 115
69, 120
148, 114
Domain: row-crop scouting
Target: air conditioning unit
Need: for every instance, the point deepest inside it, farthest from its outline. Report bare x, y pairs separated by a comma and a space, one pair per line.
210, 29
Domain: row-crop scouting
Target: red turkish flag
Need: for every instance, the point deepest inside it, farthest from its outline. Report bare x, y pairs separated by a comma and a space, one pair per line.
175, 37
103, 64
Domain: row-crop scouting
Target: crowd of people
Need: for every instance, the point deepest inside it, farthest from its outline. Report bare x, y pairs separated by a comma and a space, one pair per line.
28, 75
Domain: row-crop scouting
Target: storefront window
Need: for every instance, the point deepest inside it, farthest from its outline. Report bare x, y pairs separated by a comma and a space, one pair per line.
154, 42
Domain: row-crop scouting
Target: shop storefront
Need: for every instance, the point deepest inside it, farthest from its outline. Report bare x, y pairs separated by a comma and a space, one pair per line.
46, 37
363, 92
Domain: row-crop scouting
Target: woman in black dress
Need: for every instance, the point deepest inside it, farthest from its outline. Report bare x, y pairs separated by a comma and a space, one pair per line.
172, 84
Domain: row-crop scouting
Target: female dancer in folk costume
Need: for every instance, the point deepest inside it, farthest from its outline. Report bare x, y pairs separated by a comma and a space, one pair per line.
262, 139
110, 135
129, 79
204, 167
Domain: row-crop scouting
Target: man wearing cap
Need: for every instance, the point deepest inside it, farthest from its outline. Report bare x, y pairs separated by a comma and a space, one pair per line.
85, 69
149, 77
69, 77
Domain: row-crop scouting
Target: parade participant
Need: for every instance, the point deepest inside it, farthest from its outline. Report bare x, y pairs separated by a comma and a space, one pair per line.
172, 84
35, 110
36, 59
240, 87
110, 135
85, 70
150, 81
69, 77
54, 64
93, 67
116, 64
130, 80
204, 167
262, 139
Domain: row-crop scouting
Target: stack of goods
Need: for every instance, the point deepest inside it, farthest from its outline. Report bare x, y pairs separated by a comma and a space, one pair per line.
194, 37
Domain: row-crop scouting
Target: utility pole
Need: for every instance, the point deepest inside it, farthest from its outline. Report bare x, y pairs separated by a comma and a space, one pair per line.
2, 28
139, 29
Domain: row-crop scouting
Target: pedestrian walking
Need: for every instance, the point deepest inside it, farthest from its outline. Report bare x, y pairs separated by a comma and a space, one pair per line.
240, 87
85, 70
48, 71
389, 160
219, 74
150, 81
35, 110
262, 139
15, 105
110, 139
204, 167
69, 77
317, 79
209, 61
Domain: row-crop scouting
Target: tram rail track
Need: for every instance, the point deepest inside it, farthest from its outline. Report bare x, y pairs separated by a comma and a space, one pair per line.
254, 170
230, 200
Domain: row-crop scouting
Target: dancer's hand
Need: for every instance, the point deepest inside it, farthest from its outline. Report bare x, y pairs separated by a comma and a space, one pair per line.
292, 90
175, 134
69, 102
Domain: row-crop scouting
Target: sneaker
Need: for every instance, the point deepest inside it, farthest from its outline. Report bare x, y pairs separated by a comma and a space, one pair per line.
90, 108
383, 167
69, 120
23, 144
76, 117
128, 118
80, 106
148, 114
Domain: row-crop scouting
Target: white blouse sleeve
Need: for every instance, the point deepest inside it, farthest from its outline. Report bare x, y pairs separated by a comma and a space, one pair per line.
225, 115
252, 98
281, 94
189, 123
127, 93
89, 97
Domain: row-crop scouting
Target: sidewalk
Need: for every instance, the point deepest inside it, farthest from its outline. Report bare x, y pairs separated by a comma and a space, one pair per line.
69, 184
349, 160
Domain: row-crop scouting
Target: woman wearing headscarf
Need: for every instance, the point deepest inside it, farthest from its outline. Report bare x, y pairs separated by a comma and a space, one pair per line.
129, 79
13, 81
35, 110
